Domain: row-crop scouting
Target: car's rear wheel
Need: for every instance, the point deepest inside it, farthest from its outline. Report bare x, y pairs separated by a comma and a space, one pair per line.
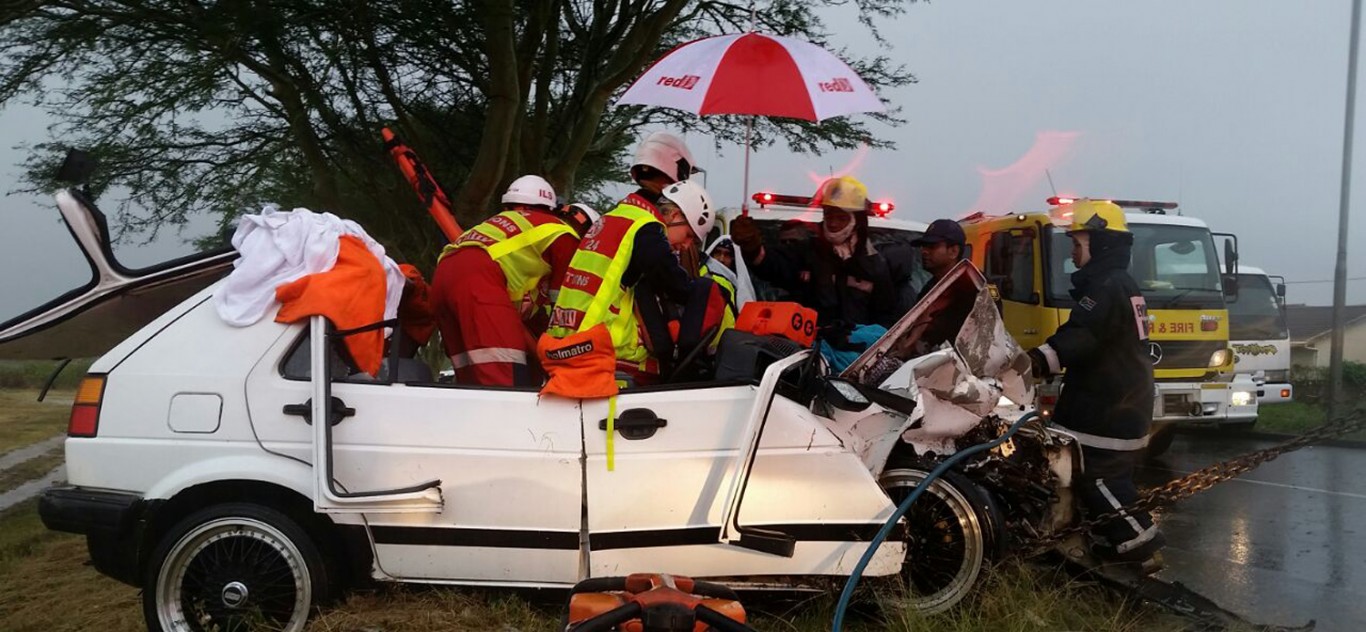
234, 567
953, 529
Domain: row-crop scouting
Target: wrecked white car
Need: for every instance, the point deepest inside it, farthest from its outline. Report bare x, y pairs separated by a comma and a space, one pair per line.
245, 474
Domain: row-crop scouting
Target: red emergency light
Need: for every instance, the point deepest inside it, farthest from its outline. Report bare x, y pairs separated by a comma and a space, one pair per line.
1143, 204
765, 198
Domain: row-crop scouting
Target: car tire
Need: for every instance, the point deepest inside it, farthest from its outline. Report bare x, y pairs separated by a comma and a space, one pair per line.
954, 529
1160, 441
234, 566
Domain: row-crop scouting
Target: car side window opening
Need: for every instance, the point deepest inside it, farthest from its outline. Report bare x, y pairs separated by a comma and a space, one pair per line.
1010, 265
298, 366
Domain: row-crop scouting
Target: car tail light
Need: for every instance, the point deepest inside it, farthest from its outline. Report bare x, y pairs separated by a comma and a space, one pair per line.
85, 410
1209, 323
1285, 393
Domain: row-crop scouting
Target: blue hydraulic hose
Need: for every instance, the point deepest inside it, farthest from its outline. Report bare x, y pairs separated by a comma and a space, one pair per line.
905, 505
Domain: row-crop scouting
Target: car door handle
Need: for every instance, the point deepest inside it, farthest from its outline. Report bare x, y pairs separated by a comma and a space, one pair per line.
340, 410
636, 423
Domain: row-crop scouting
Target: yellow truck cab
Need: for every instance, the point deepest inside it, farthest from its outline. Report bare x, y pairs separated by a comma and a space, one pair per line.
1028, 259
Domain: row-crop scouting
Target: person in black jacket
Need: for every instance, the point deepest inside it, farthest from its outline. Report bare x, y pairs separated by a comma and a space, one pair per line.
1107, 395
840, 274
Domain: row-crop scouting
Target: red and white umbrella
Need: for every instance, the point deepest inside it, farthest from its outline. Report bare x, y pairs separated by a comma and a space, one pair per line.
756, 74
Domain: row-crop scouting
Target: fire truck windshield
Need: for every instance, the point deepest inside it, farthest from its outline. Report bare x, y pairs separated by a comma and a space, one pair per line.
1255, 314
1174, 266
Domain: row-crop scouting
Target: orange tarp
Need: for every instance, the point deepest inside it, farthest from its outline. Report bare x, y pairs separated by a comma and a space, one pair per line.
350, 295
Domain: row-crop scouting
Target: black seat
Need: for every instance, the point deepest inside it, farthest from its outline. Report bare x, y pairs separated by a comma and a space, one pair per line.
743, 356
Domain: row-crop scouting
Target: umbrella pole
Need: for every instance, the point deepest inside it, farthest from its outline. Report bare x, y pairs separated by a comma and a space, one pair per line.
744, 195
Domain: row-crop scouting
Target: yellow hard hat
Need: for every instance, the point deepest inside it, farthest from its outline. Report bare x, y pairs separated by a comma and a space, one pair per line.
843, 192
1096, 215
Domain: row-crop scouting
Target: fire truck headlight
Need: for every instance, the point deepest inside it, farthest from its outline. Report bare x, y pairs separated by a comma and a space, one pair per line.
1241, 398
1218, 358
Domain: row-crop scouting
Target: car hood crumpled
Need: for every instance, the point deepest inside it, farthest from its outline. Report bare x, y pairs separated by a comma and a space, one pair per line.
984, 371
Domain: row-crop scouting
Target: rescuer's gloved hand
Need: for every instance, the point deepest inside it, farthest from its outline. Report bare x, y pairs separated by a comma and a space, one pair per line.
744, 231
1038, 364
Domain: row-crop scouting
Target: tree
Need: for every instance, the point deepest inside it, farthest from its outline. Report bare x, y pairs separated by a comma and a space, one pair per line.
199, 106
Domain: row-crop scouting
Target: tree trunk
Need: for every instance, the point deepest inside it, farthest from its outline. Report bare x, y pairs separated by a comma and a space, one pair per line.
504, 108
631, 56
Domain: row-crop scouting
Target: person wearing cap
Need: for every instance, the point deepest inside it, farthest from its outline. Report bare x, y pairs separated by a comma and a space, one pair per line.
626, 283
840, 274
492, 288
941, 247
1106, 401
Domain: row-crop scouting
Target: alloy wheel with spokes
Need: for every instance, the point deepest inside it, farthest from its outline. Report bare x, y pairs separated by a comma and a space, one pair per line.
236, 568
946, 540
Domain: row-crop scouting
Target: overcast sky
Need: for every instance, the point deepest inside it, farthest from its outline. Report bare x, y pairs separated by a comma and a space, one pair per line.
1233, 108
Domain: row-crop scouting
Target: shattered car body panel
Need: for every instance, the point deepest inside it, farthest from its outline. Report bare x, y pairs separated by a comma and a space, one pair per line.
954, 387
965, 393
115, 303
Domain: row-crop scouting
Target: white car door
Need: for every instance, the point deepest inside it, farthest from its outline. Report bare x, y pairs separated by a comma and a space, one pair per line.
509, 466
662, 505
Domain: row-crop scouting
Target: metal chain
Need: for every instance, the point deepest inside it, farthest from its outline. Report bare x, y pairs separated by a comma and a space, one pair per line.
1203, 479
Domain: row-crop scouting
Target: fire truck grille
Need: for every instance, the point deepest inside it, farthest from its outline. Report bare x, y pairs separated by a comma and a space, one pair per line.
1182, 354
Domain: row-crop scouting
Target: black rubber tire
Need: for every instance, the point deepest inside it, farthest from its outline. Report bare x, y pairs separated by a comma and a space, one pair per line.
246, 544
1160, 441
980, 529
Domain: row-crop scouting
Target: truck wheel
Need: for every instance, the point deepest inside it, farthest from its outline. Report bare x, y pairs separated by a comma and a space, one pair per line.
953, 529
234, 567
1160, 440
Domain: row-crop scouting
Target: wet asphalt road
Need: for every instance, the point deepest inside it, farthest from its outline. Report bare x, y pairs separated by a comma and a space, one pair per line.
1283, 544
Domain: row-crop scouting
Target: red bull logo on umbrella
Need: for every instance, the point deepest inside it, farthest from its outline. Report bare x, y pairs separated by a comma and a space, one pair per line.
839, 84
686, 82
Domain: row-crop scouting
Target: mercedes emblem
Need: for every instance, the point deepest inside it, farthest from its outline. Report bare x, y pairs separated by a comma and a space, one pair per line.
1154, 352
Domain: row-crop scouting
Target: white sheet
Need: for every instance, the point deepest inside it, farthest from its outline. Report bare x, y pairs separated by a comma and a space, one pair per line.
278, 247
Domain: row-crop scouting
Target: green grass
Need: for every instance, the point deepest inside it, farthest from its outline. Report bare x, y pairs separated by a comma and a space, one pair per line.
25, 421
45, 585
32, 469
1015, 597
34, 373
1293, 418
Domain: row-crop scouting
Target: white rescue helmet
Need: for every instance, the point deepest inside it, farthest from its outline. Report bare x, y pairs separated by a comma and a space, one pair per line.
531, 191
696, 205
666, 153
581, 216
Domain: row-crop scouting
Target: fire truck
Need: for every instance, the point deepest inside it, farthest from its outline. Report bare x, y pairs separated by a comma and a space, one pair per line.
1026, 256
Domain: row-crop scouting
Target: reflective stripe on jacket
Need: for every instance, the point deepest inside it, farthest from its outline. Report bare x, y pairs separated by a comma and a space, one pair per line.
516, 241
592, 291
727, 289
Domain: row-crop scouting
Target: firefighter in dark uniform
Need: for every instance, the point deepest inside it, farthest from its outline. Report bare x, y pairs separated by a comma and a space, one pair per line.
1107, 395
